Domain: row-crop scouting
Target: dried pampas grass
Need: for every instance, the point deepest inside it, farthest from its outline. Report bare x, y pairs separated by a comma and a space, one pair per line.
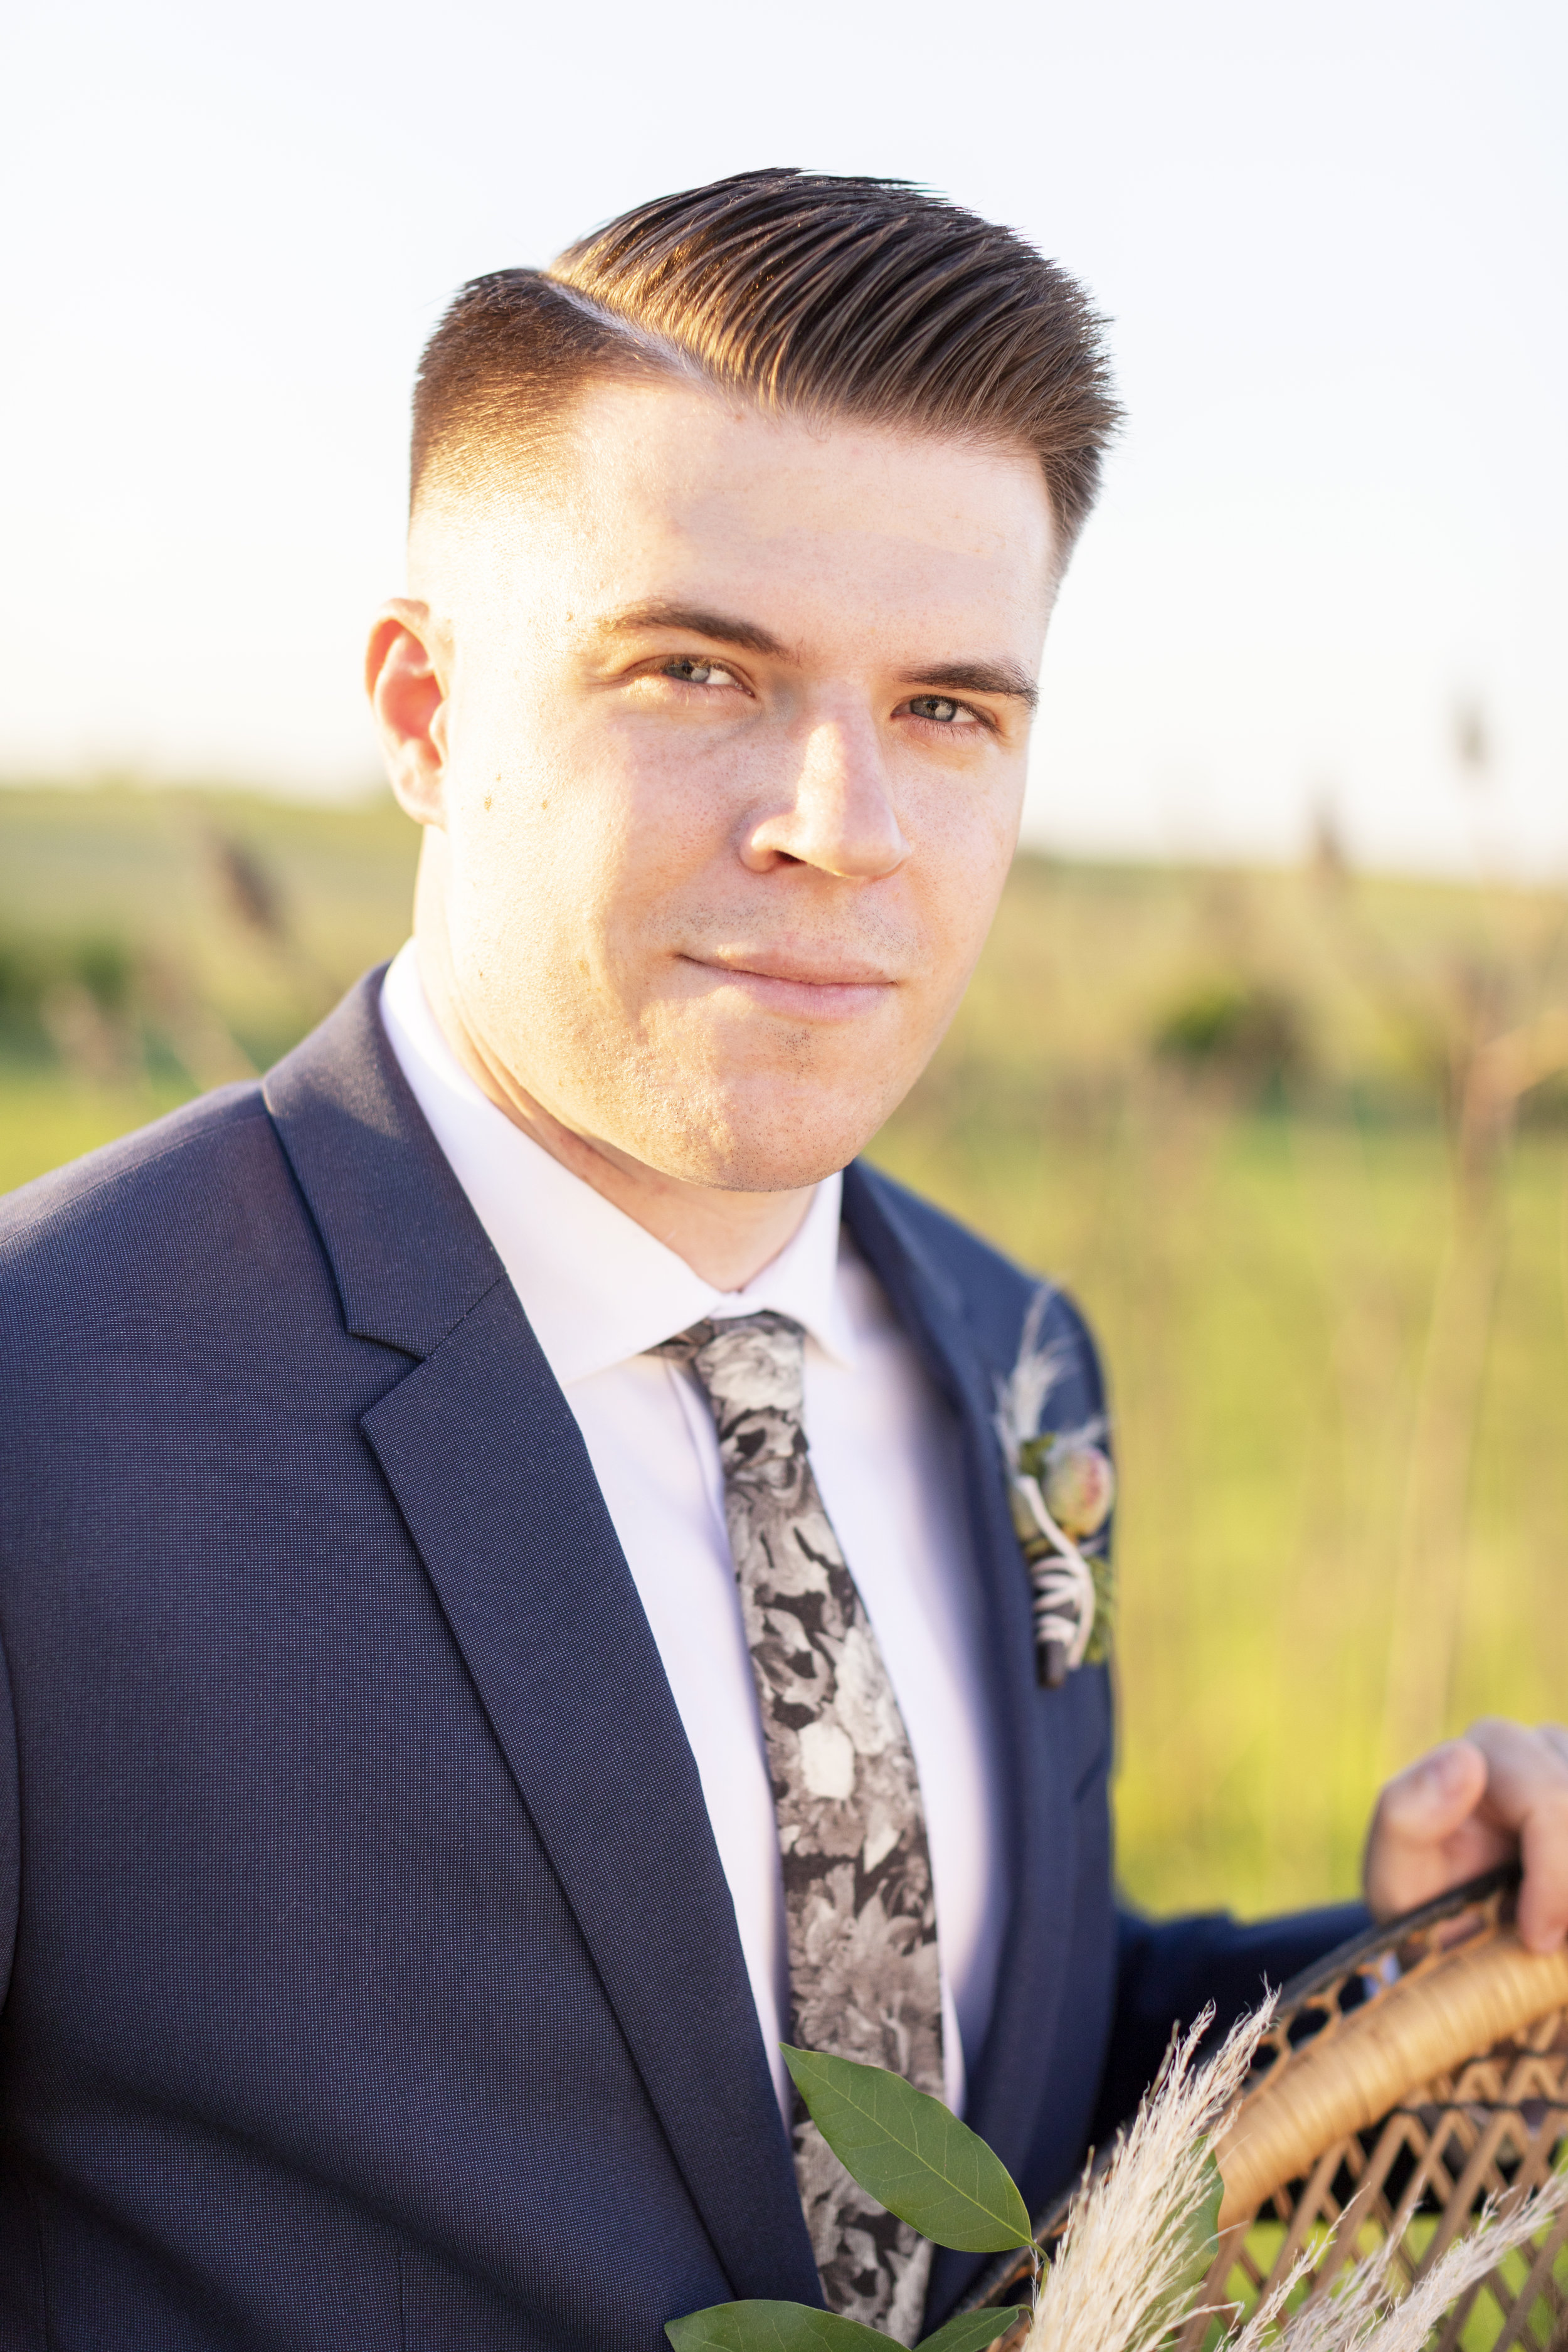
1123, 2280
1367, 2313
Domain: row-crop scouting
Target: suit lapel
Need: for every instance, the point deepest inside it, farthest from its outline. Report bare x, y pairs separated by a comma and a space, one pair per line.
1004, 2076
492, 1478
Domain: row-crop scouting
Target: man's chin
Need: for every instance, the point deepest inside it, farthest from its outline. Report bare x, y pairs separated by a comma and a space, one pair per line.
759, 1169
745, 1152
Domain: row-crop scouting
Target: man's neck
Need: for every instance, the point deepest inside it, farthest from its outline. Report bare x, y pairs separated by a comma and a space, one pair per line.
726, 1237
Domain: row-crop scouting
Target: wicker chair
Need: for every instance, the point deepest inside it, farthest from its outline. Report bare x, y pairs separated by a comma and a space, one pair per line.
1410, 2076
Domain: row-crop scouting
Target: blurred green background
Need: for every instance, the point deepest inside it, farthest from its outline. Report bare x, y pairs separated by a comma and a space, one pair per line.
1297, 1141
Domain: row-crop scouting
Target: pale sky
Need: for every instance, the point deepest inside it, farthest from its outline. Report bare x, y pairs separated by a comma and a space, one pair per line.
1332, 240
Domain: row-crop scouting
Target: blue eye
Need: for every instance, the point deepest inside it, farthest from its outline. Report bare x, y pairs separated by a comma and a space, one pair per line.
698, 673
941, 707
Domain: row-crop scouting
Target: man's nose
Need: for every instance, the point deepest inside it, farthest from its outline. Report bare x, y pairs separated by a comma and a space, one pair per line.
835, 810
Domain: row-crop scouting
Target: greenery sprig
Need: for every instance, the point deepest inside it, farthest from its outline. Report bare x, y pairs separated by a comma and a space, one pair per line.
914, 2157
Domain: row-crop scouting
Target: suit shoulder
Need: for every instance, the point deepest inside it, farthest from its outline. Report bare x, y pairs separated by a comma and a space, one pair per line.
134, 1180
995, 1293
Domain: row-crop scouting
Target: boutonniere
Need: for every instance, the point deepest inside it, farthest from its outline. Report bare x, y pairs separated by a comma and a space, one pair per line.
1060, 1484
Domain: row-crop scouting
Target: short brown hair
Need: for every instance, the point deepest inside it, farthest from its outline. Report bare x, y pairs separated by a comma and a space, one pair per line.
809, 294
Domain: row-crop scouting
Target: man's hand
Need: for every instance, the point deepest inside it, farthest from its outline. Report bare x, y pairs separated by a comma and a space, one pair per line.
1498, 1791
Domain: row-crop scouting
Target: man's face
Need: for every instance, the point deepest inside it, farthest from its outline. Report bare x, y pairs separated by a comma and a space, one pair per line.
733, 740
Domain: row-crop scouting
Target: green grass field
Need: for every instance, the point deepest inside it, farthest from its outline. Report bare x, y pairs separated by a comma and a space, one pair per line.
1344, 1513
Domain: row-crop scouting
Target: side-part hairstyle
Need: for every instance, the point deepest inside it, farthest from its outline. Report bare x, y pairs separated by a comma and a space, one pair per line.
807, 295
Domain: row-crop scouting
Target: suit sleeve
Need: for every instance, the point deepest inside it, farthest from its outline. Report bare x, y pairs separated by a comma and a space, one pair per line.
10, 1828
1168, 1971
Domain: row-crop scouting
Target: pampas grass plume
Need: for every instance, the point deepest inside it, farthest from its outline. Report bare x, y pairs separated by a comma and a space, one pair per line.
1367, 2315
1121, 2277
1122, 2280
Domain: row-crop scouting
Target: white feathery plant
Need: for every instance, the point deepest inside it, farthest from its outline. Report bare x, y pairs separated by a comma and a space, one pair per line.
1121, 2278
1021, 1397
1120, 2281
1367, 2313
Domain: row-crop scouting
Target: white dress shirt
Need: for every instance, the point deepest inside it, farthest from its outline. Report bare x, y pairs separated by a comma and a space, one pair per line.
598, 1290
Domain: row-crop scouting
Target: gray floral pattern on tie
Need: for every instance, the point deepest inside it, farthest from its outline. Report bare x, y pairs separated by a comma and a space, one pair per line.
858, 1900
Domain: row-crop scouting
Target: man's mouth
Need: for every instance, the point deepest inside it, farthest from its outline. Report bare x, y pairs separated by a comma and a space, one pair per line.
799, 986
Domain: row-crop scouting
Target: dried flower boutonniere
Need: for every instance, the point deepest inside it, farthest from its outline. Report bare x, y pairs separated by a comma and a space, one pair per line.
1061, 1487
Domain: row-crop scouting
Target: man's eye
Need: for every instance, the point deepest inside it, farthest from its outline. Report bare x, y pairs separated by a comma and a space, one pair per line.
942, 709
698, 673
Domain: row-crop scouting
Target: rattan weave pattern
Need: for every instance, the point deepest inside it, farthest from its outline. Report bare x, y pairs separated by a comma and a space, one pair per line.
1493, 2127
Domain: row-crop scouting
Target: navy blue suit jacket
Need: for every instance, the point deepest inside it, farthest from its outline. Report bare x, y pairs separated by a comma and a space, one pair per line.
370, 1977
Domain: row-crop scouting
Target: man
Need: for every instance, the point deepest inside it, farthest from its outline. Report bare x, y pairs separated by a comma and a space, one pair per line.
506, 1573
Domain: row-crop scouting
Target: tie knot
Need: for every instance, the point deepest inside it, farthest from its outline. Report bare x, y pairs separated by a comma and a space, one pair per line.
751, 1370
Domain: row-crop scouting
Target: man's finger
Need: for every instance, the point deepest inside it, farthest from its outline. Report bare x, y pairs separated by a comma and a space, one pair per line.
1432, 1797
1527, 1795
1425, 1834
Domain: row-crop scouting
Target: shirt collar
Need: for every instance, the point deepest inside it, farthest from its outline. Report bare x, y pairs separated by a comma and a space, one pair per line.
596, 1287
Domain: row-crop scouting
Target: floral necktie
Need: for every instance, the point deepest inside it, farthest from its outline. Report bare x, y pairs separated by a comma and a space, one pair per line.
861, 1910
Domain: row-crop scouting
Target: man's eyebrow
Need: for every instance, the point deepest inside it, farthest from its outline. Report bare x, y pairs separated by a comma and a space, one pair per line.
981, 678
729, 629
724, 629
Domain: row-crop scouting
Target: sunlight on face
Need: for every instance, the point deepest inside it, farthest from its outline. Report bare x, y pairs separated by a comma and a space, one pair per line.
736, 724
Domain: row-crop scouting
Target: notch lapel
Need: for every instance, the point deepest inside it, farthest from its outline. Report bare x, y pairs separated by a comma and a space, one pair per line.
1004, 2075
494, 1482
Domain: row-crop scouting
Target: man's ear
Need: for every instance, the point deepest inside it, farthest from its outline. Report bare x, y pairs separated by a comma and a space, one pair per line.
406, 677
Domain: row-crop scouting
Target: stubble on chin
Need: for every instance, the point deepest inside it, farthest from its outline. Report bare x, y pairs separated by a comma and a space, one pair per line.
777, 1125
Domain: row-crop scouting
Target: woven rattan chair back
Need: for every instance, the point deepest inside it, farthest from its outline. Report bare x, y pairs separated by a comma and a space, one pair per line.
1417, 2167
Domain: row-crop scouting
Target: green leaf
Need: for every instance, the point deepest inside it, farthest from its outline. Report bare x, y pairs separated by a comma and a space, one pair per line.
759, 2327
971, 2330
912, 2154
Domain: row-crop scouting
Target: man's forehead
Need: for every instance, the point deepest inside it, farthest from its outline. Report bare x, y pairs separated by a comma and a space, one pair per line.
672, 493
710, 461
